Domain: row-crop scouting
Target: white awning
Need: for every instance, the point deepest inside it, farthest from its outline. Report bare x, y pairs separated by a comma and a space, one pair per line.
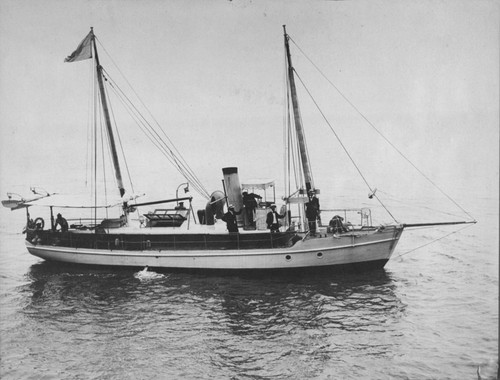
259, 184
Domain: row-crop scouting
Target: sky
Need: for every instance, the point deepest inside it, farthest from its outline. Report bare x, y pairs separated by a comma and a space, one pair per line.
425, 74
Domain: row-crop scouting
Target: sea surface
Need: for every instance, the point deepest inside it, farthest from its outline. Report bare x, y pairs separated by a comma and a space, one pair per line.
432, 313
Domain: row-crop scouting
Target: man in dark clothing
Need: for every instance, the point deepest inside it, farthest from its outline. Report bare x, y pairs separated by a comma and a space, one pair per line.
250, 203
337, 225
230, 219
312, 211
61, 222
272, 219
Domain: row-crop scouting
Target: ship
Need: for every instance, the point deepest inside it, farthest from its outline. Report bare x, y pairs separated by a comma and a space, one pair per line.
288, 233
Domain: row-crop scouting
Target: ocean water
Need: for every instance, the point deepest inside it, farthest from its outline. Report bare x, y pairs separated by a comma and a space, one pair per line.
431, 313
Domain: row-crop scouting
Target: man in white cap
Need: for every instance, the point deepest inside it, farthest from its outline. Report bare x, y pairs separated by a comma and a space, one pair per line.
230, 219
272, 219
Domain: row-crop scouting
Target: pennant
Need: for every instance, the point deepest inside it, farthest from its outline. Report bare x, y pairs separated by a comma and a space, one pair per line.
83, 51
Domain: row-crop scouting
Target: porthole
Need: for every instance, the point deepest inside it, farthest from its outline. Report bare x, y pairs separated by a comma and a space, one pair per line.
320, 255
288, 257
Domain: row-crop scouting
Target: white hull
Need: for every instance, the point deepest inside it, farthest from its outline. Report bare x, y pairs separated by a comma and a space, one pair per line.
309, 253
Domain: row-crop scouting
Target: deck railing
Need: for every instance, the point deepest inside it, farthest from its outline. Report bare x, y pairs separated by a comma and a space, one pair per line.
143, 242
361, 217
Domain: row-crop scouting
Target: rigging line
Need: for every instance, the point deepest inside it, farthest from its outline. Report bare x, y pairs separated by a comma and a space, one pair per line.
292, 175
133, 90
300, 179
167, 153
435, 240
179, 161
120, 142
291, 147
294, 144
104, 167
289, 163
139, 118
344, 148
105, 147
382, 135
286, 152
157, 141
182, 165
154, 140
204, 192
297, 167
394, 199
307, 153
159, 126
291, 151
141, 123
89, 119
149, 131
80, 207
92, 147
95, 161
297, 177
298, 170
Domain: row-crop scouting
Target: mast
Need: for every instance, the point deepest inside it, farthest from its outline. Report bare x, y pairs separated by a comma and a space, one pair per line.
114, 154
306, 167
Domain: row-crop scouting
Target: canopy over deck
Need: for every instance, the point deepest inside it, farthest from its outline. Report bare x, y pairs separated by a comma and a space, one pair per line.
258, 184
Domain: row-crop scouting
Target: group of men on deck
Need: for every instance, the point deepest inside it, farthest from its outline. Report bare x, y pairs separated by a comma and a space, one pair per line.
272, 219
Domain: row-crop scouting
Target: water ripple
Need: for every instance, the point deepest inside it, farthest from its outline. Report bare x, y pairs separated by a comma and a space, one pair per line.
66, 322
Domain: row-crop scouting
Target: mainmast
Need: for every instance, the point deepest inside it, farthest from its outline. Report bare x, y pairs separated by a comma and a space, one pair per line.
306, 167
114, 154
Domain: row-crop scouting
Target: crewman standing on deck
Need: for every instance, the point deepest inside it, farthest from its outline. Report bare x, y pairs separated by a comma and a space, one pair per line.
250, 203
61, 222
312, 211
230, 219
272, 219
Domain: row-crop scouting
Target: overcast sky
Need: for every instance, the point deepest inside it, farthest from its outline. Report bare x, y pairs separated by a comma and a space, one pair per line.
424, 73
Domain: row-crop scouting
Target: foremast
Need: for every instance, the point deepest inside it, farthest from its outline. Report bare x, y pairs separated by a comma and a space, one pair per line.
306, 167
114, 154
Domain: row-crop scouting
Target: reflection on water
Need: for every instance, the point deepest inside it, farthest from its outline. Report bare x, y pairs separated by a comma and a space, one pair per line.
231, 324
309, 300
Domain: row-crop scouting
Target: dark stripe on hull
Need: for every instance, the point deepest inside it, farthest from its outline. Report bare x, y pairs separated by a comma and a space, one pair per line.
360, 267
